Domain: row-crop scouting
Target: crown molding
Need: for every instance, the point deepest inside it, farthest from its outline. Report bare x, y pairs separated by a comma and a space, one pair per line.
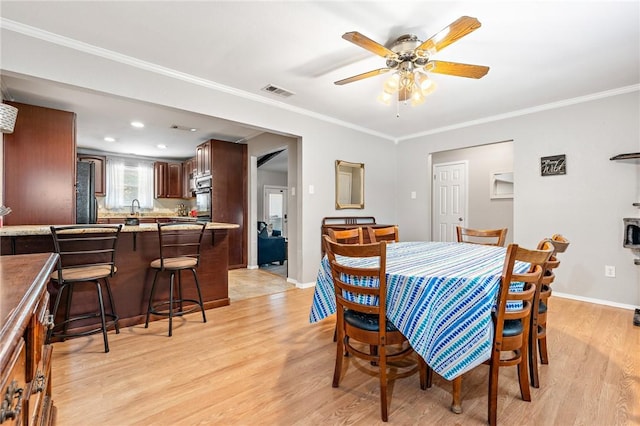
526, 111
70, 43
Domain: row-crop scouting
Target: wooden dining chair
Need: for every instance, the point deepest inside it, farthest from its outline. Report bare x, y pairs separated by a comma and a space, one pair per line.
389, 234
491, 237
538, 328
362, 323
347, 236
511, 326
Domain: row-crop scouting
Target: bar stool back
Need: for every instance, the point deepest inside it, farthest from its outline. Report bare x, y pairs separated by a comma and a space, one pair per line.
87, 256
179, 250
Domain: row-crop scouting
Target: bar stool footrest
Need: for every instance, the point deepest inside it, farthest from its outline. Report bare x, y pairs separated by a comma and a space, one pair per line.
112, 322
194, 306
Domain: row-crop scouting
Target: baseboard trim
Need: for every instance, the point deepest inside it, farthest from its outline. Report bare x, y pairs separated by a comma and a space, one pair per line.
596, 301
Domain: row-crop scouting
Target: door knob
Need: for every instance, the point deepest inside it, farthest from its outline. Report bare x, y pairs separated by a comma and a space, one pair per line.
460, 219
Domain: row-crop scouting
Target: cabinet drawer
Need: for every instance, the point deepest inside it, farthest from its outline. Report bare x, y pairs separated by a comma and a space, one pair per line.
14, 387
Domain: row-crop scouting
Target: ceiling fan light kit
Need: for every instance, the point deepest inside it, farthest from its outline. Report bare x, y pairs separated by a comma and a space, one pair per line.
410, 59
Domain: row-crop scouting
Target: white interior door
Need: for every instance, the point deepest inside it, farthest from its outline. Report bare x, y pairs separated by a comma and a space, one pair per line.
275, 207
449, 199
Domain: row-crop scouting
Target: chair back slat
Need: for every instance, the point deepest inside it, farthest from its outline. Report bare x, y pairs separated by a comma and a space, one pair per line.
492, 237
347, 236
389, 234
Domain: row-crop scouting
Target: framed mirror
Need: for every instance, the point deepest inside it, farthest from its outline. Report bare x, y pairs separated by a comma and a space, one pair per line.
349, 185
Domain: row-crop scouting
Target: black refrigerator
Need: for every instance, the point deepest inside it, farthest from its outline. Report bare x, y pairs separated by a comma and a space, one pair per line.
86, 202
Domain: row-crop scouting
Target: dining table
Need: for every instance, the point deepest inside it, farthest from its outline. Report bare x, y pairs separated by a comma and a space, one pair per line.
440, 295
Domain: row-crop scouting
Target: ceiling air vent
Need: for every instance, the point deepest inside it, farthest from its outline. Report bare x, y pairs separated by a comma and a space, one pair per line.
277, 91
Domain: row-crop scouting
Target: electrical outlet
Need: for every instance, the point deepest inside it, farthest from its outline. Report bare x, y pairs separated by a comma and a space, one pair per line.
609, 271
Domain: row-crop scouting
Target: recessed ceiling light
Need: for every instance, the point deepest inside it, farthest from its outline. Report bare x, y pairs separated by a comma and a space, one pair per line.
162, 146
109, 139
193, 130
137, 124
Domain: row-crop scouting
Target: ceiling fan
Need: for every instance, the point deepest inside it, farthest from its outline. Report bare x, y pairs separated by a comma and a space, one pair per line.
408, 56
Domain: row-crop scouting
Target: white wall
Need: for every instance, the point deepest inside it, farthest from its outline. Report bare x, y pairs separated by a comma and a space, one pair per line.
586, 205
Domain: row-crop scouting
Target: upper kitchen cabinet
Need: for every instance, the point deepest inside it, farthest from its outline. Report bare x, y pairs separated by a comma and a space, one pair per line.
189, 170
99, 161
40, 166
167, 179
203, 159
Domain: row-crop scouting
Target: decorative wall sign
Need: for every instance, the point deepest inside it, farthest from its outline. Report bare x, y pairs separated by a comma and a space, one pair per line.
553, 165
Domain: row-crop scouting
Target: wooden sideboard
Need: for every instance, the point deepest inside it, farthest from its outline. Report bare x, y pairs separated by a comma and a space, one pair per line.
25, 359
348, 222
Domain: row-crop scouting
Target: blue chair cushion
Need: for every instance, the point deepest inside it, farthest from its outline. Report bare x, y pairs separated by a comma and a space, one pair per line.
367, 322
512, 328
542, 307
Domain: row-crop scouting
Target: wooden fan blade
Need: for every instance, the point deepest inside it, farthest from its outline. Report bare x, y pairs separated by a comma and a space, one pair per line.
457, 69
454, 32
366, 43
362, 76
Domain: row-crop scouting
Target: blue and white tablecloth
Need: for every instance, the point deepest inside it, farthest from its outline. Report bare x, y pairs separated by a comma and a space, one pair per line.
439, 295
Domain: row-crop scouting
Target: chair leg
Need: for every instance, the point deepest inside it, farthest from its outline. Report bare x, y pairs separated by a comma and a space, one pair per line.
152, 293
382, 362
102, 318
542, 345
533, 358
523, 374
67, 310
337, 371
171, 283
493, 389
195, 278
56, 305
180, 298
112, 305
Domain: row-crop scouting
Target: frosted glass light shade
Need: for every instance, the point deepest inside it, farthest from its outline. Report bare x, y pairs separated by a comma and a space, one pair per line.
8, 115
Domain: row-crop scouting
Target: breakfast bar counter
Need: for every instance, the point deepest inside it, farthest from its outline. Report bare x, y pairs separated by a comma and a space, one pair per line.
137, 246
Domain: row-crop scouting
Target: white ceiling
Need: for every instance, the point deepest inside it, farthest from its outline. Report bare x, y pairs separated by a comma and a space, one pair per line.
540, 53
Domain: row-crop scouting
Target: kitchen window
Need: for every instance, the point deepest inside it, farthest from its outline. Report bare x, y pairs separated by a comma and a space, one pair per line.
129, 179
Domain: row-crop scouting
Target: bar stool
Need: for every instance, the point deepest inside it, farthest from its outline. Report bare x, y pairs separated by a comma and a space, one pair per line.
179, 250
87, 256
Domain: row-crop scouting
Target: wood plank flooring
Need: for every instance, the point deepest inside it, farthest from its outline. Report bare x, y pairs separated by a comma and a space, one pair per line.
259, 361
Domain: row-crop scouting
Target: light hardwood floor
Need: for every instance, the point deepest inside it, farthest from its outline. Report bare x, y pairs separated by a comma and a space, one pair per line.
259, 361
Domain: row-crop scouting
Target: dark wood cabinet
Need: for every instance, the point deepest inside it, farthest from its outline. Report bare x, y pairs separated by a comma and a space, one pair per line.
25, 358
189, 171
229, 195
40, 167
203, 159
167, 179
100, 164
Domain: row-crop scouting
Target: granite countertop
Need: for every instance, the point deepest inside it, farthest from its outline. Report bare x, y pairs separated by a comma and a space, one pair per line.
20, 230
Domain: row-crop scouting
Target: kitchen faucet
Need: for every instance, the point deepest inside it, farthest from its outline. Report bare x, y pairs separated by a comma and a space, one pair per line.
133, 211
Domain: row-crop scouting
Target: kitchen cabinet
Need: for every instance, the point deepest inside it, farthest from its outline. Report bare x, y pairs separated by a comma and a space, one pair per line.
25, 359
40, 167
203, 159
100, 164
167, 179
189, 171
